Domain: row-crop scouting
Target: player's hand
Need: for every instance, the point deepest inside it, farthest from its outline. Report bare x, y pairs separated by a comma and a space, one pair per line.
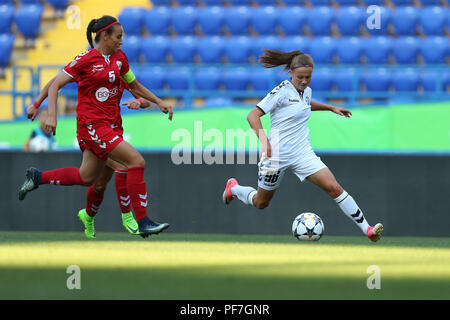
32, 112
133, 104
50, 125
341, 111
164, 107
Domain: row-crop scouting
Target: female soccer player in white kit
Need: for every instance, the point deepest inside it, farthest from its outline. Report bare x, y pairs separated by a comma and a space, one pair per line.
288, 146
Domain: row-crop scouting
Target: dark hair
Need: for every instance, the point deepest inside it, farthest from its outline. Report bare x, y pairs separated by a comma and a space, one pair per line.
98, 24
274, 58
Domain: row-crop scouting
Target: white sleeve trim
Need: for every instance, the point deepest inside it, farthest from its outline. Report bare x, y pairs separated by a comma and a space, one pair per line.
67, 73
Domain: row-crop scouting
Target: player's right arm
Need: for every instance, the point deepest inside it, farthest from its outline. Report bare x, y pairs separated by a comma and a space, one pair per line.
60, 81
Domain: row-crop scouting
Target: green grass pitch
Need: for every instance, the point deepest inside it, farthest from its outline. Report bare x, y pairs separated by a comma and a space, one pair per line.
33, 265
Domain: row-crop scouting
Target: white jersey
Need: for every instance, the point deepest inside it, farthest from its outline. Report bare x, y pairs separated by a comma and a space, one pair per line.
289, 112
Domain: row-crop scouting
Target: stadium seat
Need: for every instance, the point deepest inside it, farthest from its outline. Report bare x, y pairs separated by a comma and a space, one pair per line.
429, 80
28, 2
430, 2
183, 49
157, 20
322, 49
6, 18
282, 75
403, 2
404, 20
58, 4
218, 101
320, 2
405, 80
343, 80
433, 19
28, 20
155, 49
295, 43
6, 45
434, 49
239, 2
178, 79
292, 20
322, 80
377, 20
9, 2
319, 20
349, 20
132, 19
237, 20
152, 78
264, 19
183, 20
211, 20
347, 2
376, 80
132, 47
266, 2
237, 49
211, 49
264, 42
186, 2
261, 79
235, 78
213, 2
207, 78
405, 50
349, 50
161, 2
377, 49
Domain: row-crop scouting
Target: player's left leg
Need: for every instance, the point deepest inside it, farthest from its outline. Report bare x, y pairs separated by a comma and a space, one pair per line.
325, 179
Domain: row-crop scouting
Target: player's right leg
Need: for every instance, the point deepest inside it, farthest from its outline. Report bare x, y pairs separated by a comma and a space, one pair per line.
259, 199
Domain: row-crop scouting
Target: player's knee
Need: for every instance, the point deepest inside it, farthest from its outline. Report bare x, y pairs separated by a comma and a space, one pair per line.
334, 190
100, 186
137, 161
261, 204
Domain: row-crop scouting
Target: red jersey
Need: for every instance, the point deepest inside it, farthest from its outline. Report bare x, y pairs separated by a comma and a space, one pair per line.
100, 85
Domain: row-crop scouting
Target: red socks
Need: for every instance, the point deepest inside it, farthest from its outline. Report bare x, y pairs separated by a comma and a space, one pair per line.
122, 191
67, 176
138, 191
94, 199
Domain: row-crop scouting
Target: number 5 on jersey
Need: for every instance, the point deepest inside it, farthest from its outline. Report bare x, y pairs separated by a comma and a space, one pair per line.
112, 76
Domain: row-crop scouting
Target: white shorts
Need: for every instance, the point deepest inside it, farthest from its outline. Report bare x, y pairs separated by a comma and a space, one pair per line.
271, 171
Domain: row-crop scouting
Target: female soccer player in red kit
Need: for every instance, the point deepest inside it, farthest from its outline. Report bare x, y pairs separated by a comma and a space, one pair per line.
97, 72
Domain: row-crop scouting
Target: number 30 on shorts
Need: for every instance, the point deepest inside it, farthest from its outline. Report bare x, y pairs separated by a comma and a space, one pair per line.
270, 178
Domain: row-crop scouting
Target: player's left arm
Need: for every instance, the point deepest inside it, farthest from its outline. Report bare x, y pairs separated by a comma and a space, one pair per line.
318, 106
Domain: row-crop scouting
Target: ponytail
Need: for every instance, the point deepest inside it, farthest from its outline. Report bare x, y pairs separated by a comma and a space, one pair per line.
274, 58
100, 24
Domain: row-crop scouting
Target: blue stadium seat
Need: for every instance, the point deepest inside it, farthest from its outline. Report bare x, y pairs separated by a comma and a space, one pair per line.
434, 49
27, 2
9, 2
183, 49
377, 49
157, 20
433, 19
218, 101
322, 80
322, 49
295, 43
264, 19
237, 49
349, 20
6, 18
155, 49
405, 80
376, 79
132, 47
347, 2
184, 19
428, 80
266, 2
430, 2
319, 20
152, 78
235, 78
132, 19
6, 45
237, 20
211, 49
266, 42
186, 2
404, 20
207, 78
320, 2
343, 80
282, 75
261, 79
58, 4
161, 2
178, 79
213, 2
405, 50
211, 20
28, 20
239, 2
374, 2
293, 19
403, 2
377, 20
349, 50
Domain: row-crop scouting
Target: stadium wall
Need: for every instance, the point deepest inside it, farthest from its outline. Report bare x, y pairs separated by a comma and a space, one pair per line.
408, 194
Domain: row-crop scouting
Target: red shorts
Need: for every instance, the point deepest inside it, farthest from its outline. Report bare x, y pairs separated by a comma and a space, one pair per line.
101, 138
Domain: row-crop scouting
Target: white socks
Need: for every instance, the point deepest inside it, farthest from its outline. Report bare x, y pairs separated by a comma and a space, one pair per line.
351, 210
245, 194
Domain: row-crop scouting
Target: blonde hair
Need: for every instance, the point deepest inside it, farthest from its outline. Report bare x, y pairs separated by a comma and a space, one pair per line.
292, 60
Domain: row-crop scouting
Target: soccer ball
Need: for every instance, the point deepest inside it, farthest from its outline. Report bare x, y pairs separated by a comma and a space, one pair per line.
39, 144
307, 227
